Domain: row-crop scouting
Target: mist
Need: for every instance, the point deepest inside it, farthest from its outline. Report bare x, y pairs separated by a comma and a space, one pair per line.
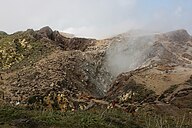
96, 18
128, 53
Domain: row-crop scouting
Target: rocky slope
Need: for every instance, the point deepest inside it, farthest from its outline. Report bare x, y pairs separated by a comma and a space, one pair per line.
160, 74
43, 66
44, 69
130, 51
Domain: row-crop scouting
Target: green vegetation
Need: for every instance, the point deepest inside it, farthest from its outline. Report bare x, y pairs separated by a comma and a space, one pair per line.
83, 119
2, 34
141, 92
157, 121
22, 48
94, 118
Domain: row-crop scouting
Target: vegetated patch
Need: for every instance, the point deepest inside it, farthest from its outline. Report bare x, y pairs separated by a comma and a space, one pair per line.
167, 92
153, 120
134, 92
93, 118
2, 34
141, 92
21, 49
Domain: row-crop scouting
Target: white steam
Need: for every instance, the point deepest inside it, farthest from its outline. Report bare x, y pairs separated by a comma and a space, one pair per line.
128, 52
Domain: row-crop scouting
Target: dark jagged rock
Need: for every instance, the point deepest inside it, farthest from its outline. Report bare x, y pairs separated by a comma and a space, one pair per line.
46, 32
72, 43
64, 42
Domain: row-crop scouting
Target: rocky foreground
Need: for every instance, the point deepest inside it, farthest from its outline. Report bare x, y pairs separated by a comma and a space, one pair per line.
47, 70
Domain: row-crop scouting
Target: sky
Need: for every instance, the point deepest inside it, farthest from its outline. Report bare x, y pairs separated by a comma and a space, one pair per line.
96, 18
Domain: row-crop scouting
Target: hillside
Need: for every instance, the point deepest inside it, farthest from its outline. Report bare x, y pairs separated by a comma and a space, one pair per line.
134, 72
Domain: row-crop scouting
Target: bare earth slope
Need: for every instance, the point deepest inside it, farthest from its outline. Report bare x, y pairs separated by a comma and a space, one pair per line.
44, 69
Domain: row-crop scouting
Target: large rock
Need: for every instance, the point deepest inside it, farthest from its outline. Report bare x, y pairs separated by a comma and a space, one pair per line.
46, 32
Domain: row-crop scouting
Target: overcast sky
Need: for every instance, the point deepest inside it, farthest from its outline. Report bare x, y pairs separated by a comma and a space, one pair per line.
96, 18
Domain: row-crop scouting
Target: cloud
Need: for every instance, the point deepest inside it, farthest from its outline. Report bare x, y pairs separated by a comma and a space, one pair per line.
178, 11
94, 18
103, 32
168, 19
